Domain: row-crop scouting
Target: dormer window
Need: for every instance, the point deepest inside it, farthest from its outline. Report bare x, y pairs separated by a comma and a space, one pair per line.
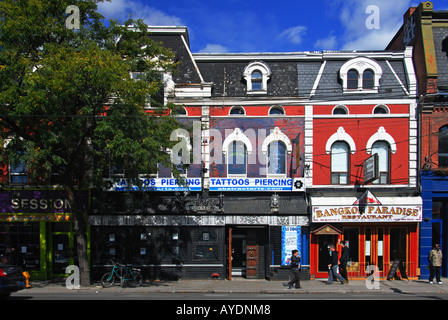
257, 81
257, 74
360, 75
352, 79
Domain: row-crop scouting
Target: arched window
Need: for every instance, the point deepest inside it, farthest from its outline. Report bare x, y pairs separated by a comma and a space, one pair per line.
443, 147
276, 158
340, 163
237, 158
352, 79
237, 111
380, 109
257, 74
352, 70
340, 110
367, 79
277, 110
257, 80
382, 149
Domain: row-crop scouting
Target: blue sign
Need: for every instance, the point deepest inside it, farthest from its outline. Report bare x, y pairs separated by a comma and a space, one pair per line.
291, 240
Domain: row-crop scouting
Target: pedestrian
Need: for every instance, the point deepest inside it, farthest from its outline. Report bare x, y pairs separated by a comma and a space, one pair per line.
333, 266
345, 257
295, 269
435, 263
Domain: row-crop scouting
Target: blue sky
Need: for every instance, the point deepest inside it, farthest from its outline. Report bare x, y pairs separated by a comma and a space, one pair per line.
272, 26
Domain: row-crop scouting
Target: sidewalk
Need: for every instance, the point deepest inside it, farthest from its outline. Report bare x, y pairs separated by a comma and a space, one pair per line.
251, 286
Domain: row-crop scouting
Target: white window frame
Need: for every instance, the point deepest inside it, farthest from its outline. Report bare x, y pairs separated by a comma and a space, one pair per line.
361, 64
265, 72
276, 136
239, 136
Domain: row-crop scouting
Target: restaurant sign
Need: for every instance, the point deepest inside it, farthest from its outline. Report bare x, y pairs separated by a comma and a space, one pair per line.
367, 213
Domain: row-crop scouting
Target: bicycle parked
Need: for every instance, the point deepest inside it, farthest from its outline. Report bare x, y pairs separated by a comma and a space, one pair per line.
123, 273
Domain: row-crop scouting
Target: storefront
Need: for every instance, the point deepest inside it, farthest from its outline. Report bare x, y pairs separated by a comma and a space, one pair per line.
36, 231
377, 230
244, 239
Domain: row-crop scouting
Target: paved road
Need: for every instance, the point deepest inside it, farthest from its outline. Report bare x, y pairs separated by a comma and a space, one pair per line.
109, 295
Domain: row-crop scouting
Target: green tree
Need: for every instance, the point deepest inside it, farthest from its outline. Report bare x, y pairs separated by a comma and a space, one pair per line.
68, 103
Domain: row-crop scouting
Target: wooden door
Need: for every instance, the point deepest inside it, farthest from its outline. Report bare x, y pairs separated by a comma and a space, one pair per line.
252, 253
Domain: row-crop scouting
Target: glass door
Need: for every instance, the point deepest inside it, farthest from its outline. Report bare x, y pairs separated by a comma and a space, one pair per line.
374, 249
63, 248
399, 250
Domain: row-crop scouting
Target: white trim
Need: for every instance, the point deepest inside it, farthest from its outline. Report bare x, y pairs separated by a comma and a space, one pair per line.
396, 77
265, 72
340, 135
361, 64
319, 75
276, 135
192, 58
236, 135
381, 135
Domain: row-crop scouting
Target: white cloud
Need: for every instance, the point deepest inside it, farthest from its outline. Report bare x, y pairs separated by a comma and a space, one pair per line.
294, 34
214, 48
327, 43
120, 9
354, 19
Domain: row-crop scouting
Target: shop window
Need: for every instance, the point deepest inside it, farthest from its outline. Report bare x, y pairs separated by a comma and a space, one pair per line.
237, 158
276, 158
443, 147
351, 238
340, 163
20, 244
382, 148
205, 253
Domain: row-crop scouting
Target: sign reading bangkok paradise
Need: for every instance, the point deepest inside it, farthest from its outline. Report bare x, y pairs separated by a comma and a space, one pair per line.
375, 213
256, 184
151, 184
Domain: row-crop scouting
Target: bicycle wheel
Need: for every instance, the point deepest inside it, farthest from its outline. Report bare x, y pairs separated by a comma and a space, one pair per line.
107, 280
136, 279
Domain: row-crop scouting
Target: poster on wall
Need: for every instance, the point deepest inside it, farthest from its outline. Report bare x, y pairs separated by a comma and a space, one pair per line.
291, 239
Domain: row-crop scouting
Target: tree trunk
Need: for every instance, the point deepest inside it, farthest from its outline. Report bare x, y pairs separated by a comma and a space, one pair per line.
80, 228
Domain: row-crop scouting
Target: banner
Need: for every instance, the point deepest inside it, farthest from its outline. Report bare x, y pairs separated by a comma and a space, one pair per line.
151, 184
291, 239
257, 184
367, 213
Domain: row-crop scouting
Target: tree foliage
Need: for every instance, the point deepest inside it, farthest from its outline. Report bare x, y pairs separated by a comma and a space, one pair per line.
68, 103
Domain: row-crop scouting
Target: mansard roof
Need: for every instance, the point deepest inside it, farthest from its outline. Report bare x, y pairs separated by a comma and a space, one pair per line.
310, 75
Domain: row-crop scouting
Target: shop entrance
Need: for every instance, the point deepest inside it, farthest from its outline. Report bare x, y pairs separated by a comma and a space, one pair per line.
372, 247
63, 249
246, 252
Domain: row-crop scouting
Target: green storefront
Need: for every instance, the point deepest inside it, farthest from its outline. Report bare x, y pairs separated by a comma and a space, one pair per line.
36, 231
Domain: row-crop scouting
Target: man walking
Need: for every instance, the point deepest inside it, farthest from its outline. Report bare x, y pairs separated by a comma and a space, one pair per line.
333, 266
345, 256
295, 268
435, 263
